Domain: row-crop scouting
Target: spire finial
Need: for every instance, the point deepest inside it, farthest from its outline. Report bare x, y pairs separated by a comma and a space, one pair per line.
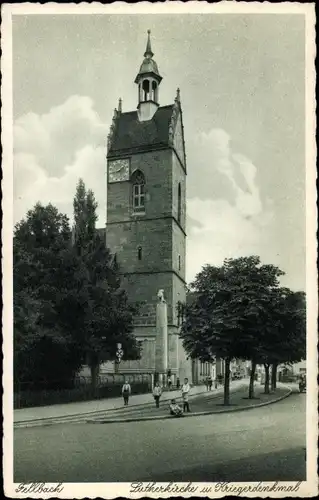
120, 105
148, 51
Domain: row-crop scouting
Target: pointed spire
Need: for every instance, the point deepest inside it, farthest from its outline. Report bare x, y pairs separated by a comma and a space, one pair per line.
178, 95
120, 105
148, 52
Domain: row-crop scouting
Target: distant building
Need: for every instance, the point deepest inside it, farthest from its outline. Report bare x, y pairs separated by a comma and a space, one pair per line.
299, 368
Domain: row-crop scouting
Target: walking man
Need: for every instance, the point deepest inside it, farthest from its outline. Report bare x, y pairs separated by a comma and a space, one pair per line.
185, 392
157, 392
126, 392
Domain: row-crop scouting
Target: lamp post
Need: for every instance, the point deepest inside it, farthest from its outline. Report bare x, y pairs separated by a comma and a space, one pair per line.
118, 356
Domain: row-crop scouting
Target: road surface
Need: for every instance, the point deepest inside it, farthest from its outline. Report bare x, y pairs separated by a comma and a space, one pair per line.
263, 444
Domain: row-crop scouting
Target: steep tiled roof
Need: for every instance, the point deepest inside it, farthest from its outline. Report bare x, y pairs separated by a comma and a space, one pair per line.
131, 134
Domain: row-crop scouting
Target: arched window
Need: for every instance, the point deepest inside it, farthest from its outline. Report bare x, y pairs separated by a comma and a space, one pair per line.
154, 91
179, 203
139, 253
146, 90
138, 194
179, 262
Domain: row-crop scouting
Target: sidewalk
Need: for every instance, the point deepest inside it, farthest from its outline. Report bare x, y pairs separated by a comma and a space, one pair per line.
93, 408
86, 407
201, 404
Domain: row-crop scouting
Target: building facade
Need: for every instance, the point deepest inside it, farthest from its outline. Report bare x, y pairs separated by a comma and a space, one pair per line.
146, 213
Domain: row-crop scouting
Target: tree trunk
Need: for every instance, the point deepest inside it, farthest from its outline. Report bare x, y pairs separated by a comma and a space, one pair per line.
267, 366
252, 380
226, 381
274, 377
95, 370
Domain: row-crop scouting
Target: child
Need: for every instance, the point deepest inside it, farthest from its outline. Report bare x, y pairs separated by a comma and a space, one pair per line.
126, 392
185, 391
157, 392
174, 409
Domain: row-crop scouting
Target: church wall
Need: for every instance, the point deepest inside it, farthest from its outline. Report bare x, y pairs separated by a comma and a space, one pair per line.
179, 294
118, 196
144, 287
185, 364
178, 176
147, 361
154, 237
157, 169
178, 249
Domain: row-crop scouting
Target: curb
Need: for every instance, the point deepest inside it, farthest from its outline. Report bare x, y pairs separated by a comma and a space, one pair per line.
197, 414
88, 413
81, 417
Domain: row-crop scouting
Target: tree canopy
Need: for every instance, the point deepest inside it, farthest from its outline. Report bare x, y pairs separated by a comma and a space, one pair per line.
238, 310
69, 307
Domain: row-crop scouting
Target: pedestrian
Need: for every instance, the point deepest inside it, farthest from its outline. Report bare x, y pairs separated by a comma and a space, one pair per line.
126, 392
210, 383
216, 383
157, 392
207, 383
169, 383
174, 409
185, 391
178, 383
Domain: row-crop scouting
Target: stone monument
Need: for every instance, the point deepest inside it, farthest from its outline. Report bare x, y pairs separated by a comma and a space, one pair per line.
161, 352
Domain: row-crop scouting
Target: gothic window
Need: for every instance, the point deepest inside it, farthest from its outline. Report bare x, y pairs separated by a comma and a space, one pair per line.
139, 253
179, 262
138, 194
179, 203
146, 90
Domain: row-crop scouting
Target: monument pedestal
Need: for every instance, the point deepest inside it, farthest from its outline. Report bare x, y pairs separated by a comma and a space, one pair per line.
161, 348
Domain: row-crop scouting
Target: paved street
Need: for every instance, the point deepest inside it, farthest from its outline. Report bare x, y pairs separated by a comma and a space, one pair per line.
260, 444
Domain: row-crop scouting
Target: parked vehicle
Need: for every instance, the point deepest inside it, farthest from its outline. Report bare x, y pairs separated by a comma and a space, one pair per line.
302, 385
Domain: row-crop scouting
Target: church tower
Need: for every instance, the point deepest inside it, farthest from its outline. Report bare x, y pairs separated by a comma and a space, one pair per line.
146, 212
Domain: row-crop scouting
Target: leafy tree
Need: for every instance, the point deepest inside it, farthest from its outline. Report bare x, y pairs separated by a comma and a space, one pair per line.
226, 317
287, 342
47, 302
108, 316
256, 286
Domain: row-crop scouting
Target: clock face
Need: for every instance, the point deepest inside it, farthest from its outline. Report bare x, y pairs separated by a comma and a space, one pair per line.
119, 170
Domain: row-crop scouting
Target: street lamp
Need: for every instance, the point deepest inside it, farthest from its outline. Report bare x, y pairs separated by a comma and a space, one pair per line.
118, 355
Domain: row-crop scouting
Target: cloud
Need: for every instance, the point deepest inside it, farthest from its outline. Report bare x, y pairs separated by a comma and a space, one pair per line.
52, 151
233, 221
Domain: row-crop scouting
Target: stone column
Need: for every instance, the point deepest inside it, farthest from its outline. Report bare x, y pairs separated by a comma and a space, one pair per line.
161, 339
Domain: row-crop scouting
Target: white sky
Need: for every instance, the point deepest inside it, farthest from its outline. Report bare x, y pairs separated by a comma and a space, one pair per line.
242, 90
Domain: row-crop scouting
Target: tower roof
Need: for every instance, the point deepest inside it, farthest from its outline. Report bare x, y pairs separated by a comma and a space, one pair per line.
148, 52
148, 66
131, 134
